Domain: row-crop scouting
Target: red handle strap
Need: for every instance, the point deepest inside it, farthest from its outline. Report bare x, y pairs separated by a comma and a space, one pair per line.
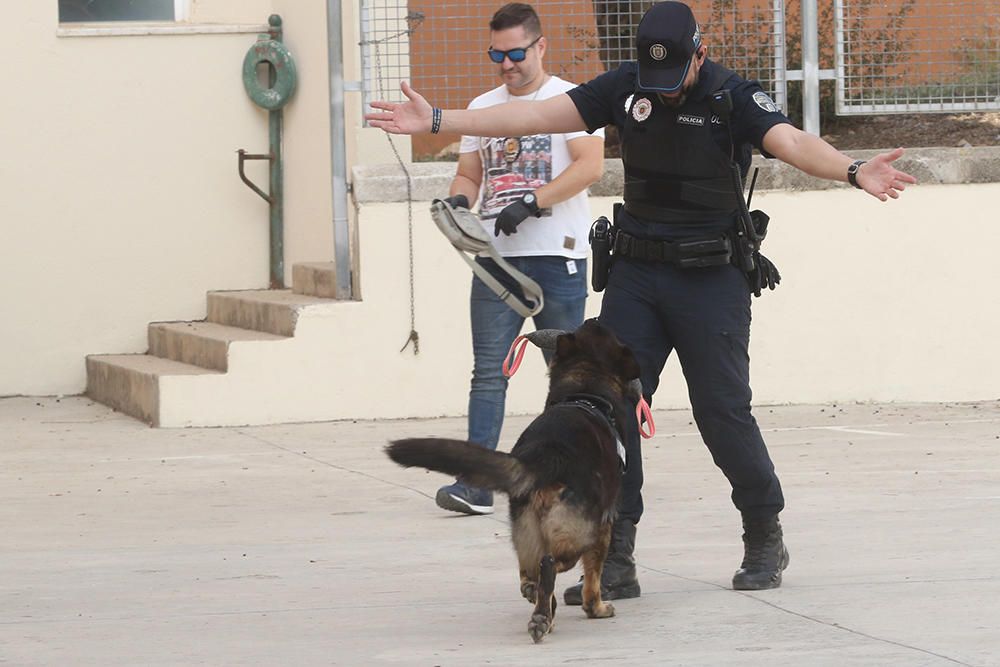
642, 412
513, 359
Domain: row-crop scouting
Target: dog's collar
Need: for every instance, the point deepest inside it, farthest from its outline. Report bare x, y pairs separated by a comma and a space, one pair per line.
602, 408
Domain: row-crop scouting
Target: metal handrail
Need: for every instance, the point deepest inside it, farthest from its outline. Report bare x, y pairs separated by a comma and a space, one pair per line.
251, 156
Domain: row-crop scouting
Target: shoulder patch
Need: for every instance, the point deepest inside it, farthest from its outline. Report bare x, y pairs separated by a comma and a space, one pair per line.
764, 102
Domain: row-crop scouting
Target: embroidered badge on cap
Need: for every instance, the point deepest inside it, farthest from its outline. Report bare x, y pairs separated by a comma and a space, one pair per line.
641, 109
657, 52
764, 102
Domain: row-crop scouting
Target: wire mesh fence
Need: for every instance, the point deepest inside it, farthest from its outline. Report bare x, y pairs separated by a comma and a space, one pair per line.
905, 56
889, 56
440, 47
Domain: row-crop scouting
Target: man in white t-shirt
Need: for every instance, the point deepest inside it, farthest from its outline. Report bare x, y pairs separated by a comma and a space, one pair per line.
532, 194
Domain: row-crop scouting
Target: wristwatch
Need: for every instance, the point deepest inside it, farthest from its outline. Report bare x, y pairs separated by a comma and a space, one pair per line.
852, 173
531, 201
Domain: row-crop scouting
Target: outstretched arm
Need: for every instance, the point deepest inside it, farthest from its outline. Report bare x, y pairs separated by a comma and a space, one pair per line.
817, 158
587, 155
554, 115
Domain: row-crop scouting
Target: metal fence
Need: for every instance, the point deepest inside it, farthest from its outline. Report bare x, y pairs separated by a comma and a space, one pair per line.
888, 56
440, 47
917, 56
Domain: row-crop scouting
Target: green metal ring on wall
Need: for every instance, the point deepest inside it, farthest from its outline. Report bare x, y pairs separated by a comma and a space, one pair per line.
267, 50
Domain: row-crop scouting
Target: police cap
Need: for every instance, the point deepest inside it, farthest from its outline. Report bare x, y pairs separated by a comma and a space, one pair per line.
667, 37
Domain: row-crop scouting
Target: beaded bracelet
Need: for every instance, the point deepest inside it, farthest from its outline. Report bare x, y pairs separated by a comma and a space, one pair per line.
435, 120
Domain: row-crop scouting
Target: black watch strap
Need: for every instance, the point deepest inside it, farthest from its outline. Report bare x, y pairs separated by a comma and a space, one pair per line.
531, 201
852, 173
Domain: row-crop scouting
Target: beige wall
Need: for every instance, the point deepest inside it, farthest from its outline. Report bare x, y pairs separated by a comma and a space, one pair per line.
886, 302
122, 205
121, 199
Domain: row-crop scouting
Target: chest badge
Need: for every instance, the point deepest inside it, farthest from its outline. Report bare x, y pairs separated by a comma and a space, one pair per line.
641, 109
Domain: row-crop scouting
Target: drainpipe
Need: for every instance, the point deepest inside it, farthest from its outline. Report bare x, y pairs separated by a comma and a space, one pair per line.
810, 67
338, 150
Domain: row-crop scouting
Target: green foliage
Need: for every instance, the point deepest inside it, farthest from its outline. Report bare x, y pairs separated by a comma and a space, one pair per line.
977, 77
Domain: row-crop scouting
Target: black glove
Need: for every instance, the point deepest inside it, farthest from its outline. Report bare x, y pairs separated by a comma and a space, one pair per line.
514, 214
457, 201
765, 274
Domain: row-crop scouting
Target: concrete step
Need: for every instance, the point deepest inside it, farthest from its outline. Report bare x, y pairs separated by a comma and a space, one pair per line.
315, 279
130, 383
270, 311
204, 344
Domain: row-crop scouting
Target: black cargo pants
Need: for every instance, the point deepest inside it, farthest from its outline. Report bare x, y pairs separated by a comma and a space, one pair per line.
704, 314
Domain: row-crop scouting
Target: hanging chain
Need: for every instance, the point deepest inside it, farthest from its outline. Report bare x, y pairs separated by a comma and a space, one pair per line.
413, 19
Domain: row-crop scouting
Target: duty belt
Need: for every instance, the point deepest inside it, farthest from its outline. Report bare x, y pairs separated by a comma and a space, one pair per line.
688, 253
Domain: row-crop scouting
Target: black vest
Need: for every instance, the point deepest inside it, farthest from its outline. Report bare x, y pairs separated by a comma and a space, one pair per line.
675, 170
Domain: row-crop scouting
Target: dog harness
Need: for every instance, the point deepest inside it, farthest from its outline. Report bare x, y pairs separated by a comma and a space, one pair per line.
601, 408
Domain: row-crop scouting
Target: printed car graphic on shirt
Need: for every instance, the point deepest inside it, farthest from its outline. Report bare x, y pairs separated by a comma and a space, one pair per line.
504, 187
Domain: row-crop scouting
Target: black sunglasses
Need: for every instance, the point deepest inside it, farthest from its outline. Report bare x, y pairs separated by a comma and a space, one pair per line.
515, 55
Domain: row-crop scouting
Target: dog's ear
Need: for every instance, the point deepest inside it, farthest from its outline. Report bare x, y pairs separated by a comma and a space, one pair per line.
566, 346
628, 364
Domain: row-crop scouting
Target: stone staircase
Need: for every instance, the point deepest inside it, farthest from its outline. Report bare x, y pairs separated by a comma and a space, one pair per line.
243, 330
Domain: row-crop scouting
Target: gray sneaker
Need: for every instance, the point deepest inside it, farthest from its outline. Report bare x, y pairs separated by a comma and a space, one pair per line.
458, 497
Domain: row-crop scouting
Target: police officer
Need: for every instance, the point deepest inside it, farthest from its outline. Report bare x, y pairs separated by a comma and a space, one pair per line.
679, 280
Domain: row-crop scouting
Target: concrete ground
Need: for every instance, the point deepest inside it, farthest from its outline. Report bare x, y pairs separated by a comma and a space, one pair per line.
303, 545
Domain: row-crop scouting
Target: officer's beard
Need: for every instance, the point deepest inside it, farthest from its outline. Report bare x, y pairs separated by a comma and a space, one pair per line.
677, 101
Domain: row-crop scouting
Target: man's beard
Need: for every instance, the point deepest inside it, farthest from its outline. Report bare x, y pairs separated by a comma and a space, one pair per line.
678, 101
675, 102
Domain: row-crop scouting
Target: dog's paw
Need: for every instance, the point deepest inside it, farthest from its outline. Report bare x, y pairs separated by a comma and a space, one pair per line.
604, 610
539, 626
528, 591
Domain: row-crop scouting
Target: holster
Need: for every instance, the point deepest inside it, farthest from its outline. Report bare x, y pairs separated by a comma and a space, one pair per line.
759, 220
760, 272
602, 238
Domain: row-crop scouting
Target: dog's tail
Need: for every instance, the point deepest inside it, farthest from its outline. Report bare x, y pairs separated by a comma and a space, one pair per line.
477, 466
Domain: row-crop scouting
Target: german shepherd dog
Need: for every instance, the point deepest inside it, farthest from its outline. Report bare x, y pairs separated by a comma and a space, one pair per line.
564, 473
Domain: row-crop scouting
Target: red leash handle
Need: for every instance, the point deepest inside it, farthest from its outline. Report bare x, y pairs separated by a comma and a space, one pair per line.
642, 412
513, 359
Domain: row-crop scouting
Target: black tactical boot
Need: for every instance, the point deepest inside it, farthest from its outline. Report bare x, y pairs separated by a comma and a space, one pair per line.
764, 555
618, 580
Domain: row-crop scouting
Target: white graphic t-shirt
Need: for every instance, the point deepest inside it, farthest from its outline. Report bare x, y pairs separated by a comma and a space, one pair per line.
514, 166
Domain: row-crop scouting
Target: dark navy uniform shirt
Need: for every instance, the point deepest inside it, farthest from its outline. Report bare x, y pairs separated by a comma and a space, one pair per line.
602, 101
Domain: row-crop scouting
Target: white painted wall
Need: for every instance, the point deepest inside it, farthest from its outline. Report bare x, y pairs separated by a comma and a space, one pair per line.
879, 302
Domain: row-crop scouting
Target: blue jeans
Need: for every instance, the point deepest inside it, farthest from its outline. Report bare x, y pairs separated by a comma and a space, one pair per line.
495, 326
